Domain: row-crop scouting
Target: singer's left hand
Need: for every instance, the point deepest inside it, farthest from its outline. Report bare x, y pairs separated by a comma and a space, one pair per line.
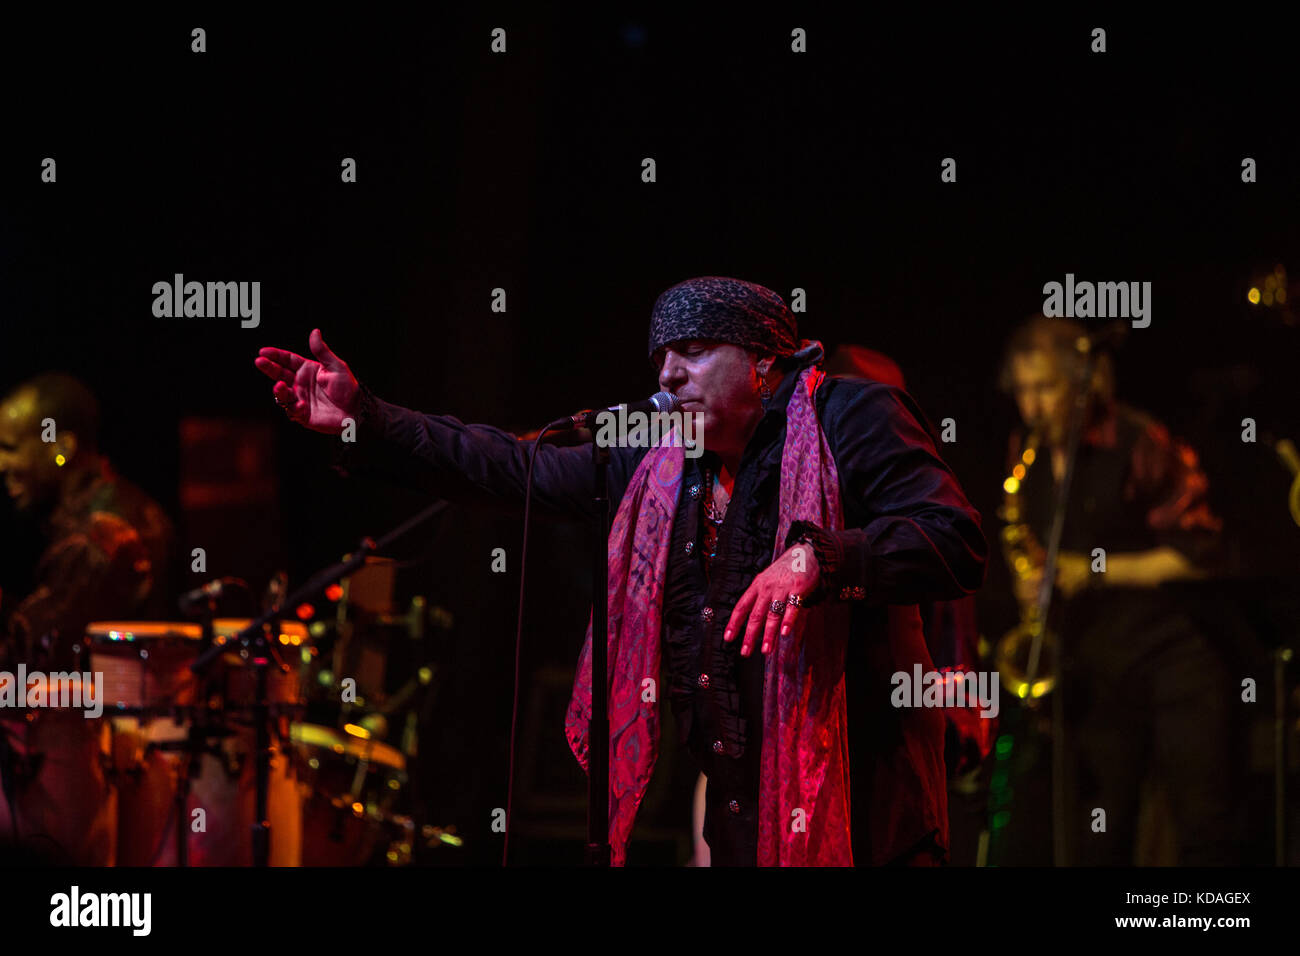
776, 583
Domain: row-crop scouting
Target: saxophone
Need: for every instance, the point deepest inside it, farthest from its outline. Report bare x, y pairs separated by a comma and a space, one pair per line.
1025, 557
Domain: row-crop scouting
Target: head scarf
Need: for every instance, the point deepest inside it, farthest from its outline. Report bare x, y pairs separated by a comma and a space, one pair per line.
724, 310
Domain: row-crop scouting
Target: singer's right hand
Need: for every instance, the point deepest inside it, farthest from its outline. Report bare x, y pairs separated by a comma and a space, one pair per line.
319, 394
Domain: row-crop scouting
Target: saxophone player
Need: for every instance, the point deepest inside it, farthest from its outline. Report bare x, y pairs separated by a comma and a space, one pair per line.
1144, 688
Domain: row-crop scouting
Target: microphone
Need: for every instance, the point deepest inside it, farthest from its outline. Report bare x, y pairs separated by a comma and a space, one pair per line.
658, 403
213, 589
210, 590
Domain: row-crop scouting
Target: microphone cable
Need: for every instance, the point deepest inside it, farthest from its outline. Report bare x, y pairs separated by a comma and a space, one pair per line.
519, 640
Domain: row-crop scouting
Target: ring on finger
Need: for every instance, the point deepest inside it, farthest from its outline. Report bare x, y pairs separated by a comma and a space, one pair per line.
777, 607
794, 600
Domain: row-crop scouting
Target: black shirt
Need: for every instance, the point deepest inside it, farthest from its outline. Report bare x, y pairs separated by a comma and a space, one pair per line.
909, 535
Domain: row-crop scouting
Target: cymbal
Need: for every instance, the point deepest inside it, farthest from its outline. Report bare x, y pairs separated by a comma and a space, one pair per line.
327, 738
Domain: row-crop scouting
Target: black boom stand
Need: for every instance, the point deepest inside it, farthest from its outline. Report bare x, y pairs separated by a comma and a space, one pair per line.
1078, 413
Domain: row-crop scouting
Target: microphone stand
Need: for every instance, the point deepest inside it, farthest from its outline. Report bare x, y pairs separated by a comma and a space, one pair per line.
1060, 851
196, 742
598, 851
255, 641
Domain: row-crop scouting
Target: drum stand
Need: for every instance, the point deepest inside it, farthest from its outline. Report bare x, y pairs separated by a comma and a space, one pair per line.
256, 644
196, 742
191, 749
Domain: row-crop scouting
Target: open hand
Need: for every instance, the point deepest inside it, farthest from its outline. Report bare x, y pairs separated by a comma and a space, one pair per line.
319, 394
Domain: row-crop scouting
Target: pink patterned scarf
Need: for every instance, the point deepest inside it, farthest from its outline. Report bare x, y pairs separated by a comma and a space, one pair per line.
804, 788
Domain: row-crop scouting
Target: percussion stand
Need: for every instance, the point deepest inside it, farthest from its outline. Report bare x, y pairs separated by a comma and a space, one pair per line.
196, 743
257, 644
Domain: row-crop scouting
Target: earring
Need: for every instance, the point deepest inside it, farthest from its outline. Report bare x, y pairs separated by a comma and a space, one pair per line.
764, 392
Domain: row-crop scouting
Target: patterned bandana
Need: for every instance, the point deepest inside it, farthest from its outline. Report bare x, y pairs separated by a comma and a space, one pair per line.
803, 803
724, 310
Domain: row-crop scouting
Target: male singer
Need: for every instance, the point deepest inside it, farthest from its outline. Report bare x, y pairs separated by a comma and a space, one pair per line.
844, 518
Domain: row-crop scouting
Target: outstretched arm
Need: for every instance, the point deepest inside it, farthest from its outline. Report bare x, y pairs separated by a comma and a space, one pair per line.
475, 464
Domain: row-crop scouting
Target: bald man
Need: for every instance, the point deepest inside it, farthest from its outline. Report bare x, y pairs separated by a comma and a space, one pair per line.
106, 543
103, 555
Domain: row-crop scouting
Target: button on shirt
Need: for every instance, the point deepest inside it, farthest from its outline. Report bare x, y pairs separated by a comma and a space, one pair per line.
717, 695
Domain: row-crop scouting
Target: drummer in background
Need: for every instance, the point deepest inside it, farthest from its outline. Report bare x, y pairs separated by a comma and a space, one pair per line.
106, 545
101, 553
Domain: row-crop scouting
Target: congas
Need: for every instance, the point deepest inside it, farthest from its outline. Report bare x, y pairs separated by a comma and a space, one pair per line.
219, 808
155, 699
236, 680
351, 786
61, 805
144, 665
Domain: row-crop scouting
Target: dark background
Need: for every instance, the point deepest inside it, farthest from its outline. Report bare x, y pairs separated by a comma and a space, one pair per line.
475, 170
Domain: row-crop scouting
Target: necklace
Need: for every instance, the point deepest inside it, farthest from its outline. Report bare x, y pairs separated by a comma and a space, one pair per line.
711, 510
714, 517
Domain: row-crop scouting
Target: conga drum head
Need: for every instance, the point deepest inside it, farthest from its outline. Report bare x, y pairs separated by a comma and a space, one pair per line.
145, 665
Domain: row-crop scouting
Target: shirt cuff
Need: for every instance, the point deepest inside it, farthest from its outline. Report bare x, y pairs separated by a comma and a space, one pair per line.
843, 570
350, 457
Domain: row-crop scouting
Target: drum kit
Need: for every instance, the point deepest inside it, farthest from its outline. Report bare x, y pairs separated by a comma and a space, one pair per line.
168, 775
